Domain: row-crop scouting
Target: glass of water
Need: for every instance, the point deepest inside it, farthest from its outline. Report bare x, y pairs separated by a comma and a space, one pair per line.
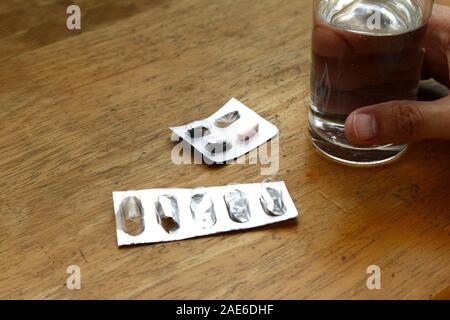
364, 52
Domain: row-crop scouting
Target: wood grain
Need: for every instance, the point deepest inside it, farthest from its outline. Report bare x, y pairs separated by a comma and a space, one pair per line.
84, 113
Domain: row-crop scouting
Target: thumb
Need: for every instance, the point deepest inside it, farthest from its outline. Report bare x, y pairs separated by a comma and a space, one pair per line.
399, 122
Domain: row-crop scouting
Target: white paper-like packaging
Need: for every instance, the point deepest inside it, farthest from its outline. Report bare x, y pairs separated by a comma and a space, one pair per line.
231, 132
161, 215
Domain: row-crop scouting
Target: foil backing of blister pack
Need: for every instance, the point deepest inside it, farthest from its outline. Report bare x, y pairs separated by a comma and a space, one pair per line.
231, 132
161, 215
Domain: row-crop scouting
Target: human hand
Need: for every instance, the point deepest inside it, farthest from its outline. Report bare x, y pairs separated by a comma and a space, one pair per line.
404, 121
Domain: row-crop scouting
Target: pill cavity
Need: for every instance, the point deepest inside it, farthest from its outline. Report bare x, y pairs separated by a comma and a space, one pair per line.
227, 119
272, 201
132, 216
247, 129
199, 131
237, 206
215, 146
202, 209
167, 213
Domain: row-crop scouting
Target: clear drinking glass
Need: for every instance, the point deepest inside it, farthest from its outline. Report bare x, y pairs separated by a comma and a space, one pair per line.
363, 52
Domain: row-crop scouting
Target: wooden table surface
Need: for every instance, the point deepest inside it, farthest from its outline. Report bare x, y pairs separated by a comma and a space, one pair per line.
84, 113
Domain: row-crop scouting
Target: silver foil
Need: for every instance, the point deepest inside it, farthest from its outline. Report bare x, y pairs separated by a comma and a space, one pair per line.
237, 205
223, 136
227, 119
167, 212
202, 209
181, 213
272, 201
198, 131
218, 146
132, 216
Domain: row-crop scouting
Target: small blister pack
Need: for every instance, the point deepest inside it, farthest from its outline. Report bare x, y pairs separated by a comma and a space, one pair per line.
229, 133
161, 215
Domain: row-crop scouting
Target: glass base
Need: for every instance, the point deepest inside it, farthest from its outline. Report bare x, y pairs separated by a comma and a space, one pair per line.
328, 137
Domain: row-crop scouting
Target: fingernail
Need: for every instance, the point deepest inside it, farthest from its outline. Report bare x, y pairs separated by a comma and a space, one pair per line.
365, 126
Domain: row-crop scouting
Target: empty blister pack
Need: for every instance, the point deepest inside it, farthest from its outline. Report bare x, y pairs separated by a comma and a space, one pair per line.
229, 133
160, 215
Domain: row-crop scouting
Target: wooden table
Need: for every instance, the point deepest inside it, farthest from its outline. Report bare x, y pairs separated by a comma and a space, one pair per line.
84, 113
